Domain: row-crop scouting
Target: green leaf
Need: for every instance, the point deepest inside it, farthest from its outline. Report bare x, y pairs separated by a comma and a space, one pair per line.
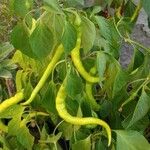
14, 123
4, 144
4, 73
129, 9
21, 7
117, 3
110, 75
142, 71
88, 34
88, 63
54, 138
52, 5
55, 22
69, 37
120, 81
101, 63
140, 125
66, 133
44, 134
137, 59
41, 41
86, 108
108, 32
20, 40
101, 43
81, 134
146, 5
48, 99
74, 85
105, 109
115, 120
11, 111
96, 9
75, 3
104, 26
24, 137
82, 144
131, 140
126, 26
28, 88
13, 143
8, 64
23, 82
5, 50
17, 127
61, 71
72, 106
100, 145
27, 63
3, 127
141, 108
11, 5
13, 126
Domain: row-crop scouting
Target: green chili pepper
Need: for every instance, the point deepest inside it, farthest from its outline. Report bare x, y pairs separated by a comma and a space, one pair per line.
11, 101
75, 55
56, 57
62, 111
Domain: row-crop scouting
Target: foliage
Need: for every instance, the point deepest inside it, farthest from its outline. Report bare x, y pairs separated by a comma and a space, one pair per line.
74, 47
6, 21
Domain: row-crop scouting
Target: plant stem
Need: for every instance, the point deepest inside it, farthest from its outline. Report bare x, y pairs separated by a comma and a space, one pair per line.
136, 12
31, 115
57, 126
138, 44
128, 38
135, 93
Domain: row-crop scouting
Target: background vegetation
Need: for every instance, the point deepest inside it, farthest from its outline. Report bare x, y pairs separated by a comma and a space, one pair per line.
31, 32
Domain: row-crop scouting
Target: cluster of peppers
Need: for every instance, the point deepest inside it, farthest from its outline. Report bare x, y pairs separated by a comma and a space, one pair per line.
62, 94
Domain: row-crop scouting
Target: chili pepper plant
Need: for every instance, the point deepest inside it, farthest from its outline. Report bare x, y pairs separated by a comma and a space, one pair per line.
70, 90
